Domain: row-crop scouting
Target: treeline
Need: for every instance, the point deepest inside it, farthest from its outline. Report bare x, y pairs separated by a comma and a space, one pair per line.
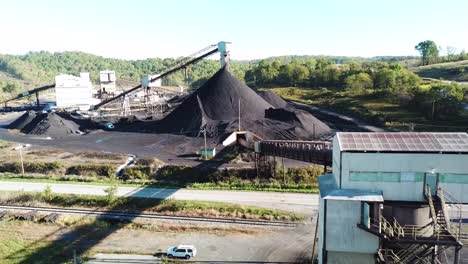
386, 81
42, 67
334, 59
354, 77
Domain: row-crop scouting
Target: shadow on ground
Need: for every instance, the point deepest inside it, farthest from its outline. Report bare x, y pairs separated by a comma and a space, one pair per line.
81, 239
84, 237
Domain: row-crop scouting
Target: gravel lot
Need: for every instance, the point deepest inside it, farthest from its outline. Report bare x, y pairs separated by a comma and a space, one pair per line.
257, 245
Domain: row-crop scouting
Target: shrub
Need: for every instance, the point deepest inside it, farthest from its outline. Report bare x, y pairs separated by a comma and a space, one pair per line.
138, 172
111, 192
305, 175
32, 167
92, 170
47, 193
180, 174
42, 167
13, 167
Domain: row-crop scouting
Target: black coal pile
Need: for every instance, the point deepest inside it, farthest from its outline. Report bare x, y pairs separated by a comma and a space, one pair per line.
47, 124
23, 120
273, 99
215, 106
303, 123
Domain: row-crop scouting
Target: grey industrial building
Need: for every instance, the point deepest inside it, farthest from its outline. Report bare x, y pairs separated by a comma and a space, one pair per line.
387, 199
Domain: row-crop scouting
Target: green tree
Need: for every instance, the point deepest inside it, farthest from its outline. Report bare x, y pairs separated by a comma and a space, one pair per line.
300, 74
358, 84
10, 87
428, 50
441, 99
447, 98
385, 79
111, 193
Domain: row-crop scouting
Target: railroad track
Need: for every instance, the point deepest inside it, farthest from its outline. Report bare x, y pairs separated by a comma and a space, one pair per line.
129, 216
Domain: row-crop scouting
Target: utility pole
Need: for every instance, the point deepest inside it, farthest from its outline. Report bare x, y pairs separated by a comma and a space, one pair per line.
75, 259
284, 176
20, 149
433, 106
239, 117
204, 135
21, 159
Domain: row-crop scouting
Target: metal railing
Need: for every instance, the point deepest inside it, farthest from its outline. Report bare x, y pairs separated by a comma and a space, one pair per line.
410, 252
390, 229
428, 194
319, 152
394, 230
447, 198
387, 255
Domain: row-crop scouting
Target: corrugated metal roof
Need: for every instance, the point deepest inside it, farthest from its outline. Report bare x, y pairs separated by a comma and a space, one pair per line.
403, 142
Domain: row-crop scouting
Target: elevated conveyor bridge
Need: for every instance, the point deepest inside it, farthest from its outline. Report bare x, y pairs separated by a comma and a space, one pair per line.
318, 152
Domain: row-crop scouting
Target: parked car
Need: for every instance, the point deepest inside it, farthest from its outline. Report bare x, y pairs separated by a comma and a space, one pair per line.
182, 251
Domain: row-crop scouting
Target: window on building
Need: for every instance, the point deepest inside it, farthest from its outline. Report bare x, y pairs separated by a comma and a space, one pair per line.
374, 176
453, 178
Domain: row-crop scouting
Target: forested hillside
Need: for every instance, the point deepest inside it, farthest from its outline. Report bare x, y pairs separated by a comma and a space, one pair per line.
41, 67
384, 78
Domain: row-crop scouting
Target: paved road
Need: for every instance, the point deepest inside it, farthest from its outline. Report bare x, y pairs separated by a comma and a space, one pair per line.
299, 203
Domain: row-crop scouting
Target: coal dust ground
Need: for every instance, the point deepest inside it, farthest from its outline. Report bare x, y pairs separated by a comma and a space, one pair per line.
169, 148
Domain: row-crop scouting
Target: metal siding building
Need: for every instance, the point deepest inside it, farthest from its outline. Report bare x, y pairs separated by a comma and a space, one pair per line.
73, 92
401, 173
399, 176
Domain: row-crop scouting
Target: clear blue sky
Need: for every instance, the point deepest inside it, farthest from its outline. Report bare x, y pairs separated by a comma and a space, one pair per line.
136, 29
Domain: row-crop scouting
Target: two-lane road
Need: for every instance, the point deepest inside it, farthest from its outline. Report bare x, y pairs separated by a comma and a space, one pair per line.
300, 203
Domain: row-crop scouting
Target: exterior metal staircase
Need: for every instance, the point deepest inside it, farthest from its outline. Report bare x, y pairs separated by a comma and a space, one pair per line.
420, 244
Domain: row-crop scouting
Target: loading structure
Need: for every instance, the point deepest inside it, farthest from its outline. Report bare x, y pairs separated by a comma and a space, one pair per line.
222, 47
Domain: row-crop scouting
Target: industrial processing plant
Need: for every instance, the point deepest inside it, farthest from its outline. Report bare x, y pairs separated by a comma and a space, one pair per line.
383, 196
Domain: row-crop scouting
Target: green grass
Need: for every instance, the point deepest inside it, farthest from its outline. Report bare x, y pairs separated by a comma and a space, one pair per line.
262, 187
136, 204
234, 186
14, 249
453, 71
5, 144
369, 108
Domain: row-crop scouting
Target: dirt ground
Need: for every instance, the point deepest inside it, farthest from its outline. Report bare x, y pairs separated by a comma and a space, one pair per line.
36, 153
280, 245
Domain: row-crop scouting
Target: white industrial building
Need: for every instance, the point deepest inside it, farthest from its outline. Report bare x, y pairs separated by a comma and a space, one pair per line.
387, 199
73, 92
107, 81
